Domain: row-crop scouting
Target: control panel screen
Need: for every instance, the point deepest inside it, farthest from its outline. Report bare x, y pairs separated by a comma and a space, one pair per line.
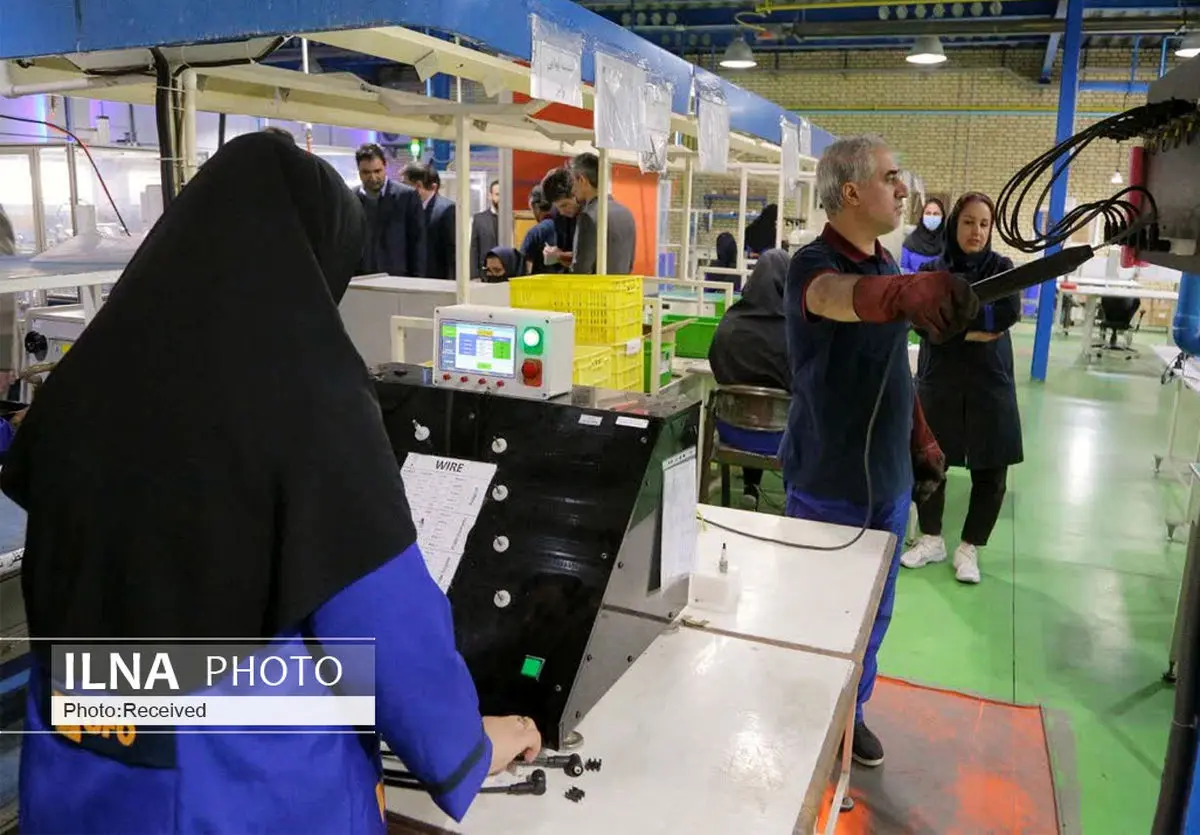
479, 348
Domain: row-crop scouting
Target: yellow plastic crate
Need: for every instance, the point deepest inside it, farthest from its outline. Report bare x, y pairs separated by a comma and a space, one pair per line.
607, 309
592, 366
628, 362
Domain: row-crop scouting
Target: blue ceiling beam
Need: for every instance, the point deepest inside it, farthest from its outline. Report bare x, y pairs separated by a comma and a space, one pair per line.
59, 27
1052, 46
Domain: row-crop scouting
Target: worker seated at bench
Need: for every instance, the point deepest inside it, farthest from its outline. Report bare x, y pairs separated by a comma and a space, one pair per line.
750, 349
279, 516
501, 264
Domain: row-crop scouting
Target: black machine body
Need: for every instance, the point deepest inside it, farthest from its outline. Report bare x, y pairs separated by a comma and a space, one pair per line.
560, 587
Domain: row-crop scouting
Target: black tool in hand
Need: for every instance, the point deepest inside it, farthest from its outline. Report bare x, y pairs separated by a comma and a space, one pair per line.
1035, 272
536, 784
572, 764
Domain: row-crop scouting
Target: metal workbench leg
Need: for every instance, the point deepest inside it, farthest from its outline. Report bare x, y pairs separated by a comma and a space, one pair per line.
842, 792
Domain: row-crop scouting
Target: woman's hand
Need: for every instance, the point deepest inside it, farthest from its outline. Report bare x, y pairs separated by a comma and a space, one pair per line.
512, 737
981, 336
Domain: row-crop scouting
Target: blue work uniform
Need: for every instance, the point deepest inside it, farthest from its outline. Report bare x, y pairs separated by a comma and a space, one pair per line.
837, 371
322, 784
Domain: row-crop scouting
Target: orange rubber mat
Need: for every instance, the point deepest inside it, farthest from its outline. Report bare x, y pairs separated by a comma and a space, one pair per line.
955, 765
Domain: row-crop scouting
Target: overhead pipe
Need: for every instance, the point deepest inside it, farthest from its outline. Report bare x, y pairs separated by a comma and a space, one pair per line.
91, 82
952, 27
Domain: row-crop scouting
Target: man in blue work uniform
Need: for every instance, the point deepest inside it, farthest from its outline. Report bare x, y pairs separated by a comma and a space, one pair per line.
848, 310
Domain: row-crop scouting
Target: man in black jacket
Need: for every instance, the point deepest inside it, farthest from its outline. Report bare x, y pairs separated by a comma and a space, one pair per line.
485, 231
395, 222
440, 226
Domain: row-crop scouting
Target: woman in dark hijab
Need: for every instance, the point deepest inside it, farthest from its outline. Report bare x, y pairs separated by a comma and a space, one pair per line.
750, 349
760, 235
968, 395
220, 498
727, 253
501, 264
927, 240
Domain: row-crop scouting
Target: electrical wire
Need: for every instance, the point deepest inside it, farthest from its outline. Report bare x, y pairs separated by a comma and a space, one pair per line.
87, 152
1123, 219
866, 525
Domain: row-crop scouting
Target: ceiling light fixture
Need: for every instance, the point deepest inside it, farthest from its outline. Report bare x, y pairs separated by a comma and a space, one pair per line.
1116, 179
738, 55
1189, 47
927, 50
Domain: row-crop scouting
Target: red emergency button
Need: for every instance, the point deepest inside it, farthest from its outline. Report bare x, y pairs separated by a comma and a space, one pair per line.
531, 370
445, 376
482, 381
462, 379
499, 384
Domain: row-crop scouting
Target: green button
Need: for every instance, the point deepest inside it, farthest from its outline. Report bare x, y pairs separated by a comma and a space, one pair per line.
531, 339
532, 667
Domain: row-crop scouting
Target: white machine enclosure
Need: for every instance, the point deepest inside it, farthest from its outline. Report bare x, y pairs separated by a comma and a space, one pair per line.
528, 354
371, 302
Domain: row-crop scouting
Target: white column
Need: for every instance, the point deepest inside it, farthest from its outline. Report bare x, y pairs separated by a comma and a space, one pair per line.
462, 174
741, 227
781, 201
506, 187
602, 189
188, 147
685, 252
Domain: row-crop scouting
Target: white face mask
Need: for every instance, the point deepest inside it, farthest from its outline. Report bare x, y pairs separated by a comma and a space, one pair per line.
931, 222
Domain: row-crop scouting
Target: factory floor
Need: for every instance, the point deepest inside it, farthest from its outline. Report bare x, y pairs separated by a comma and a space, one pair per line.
1077, 603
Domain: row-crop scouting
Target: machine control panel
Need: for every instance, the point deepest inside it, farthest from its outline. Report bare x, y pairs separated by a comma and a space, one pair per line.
503, 350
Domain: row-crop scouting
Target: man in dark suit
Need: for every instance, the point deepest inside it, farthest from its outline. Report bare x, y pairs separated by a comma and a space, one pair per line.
485, 231
395, 222
440, 226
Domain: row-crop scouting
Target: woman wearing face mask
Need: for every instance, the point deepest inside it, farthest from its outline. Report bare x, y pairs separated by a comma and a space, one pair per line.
968, 395
927, 240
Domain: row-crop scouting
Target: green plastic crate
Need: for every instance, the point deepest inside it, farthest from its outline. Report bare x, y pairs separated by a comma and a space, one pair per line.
668, 354
694, 340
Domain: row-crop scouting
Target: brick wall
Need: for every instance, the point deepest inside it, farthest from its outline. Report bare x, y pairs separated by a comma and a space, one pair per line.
969, 124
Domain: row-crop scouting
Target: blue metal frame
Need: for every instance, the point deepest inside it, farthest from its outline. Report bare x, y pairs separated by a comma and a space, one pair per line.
58, 27
1067, 95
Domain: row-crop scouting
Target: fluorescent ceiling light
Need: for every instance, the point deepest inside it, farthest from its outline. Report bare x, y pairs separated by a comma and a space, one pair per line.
1189, 47
738, 56
926, 50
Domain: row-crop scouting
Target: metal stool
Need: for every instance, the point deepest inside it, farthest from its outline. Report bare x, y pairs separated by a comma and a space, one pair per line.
747, 408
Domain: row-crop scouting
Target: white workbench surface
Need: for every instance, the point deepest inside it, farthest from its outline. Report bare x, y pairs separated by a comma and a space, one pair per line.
704, 735
822, 601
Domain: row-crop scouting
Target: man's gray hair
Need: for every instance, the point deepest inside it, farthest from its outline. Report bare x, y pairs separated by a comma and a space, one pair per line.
588, 167
849, 160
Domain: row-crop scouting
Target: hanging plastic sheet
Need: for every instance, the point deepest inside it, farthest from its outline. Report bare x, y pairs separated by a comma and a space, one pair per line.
714, 128
805, 133
657, 96
789, 152
555, 71
620, 118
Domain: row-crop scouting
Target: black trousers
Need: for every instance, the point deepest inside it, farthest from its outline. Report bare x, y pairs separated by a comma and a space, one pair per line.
751, 479
987, 496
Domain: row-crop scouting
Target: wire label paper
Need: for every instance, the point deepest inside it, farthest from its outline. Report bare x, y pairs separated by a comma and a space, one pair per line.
680, 532
446, 495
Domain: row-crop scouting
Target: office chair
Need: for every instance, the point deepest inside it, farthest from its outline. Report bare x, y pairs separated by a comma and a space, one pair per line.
1115, 316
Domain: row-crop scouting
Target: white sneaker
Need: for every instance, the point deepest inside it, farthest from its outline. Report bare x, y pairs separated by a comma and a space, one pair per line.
928, 549
966, 564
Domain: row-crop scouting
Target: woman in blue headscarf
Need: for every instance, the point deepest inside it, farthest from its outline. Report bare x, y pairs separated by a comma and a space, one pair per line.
968, 395
927, 240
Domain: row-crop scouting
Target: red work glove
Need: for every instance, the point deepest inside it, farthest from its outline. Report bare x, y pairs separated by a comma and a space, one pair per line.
929, 463
941, 304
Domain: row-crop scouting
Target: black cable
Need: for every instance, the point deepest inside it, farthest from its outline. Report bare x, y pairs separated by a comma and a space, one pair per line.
1123, 220
866, 525
87, 152
162, 115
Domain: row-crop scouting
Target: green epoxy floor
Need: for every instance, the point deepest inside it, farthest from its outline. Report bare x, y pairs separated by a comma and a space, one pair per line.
1079, 588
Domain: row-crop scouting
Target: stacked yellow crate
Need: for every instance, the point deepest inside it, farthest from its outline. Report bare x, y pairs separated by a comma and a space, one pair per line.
608, 315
